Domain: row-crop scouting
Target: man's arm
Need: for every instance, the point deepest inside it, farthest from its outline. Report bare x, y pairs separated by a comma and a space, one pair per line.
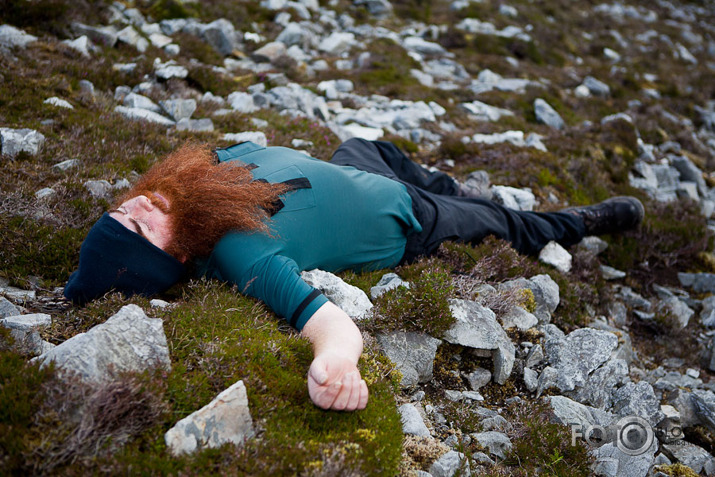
333, 378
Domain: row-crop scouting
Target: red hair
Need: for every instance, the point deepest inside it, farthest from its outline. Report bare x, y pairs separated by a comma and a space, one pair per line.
207, 199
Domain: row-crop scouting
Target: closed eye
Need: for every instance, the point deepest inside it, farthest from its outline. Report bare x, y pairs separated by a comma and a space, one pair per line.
135, 223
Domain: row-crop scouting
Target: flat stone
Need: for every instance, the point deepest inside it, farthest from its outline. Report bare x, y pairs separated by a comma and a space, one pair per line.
412, 353
637, 399
7, 308
476, 327
138, 114
80, 45
269, 52
555, 255
179, 109
579, 354
412, 423
691, 455
484, 112
256, 137
497, 443
546, 114
195, 125
44, 193
519, 318
349, 298
58, 102
100, 189
127, 341
448, 464
389, 281
478, 378
226, 419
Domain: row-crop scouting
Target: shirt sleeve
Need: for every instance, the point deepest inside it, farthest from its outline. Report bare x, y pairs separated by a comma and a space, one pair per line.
276, 281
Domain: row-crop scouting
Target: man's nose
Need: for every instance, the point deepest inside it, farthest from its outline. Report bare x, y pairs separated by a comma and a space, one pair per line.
145, 203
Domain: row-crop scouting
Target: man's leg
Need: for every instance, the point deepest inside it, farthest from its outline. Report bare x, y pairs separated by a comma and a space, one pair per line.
459, 219
388, 160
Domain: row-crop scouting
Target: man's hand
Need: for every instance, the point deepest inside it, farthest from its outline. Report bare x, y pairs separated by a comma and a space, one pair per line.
333, 378
334, 383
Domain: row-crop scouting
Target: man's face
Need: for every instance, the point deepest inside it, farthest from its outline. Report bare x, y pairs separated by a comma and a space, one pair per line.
140, 215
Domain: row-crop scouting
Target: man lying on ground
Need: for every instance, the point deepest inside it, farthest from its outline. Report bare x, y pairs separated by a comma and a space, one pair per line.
256, 217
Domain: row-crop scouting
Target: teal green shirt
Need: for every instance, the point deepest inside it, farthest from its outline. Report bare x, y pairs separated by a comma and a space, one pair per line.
342, 219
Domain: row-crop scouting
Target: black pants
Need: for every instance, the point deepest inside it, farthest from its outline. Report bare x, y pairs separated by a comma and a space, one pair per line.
446, 217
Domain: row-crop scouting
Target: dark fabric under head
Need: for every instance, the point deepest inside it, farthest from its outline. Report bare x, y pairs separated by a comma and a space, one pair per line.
113, 257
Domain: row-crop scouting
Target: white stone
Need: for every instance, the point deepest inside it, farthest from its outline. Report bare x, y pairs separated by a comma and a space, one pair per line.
15, 141
143, 114
226, 419
555, 255
349, 298
256, 137
59, 102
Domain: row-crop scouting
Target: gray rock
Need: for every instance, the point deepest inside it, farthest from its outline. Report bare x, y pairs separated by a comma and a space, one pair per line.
575, 415
484, 112
257, 137
637, 400
519, 318
477, 185
179, 109
226, 419
633, 299
7, 308
11, 37
412, 353
269, 52
531, 379
128, 341
131, 37
545, 290
612, 461
625, 345
699, 282
389, 281
535, 356
15, 141
579, 354
513, 198
138, 114
498, 443
195, 125
689, 172
134, 100
86, 86
170, 70
476, 327
106, 36
412, 422
602, 383
295, 34
452, 395
242, 102
423, 47
596, 87
350, 299
691, 455
100, 189
610, 273
677, 308
478, 378
221, 35
25, 331
337, 43
448, 464
555, 255
546, 114
80, 45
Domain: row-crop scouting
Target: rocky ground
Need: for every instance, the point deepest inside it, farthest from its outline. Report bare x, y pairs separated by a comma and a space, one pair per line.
591, 361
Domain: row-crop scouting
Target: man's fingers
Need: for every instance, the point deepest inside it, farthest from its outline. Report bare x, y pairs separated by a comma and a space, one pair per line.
362, 402
354, 399
319, 372
350, 382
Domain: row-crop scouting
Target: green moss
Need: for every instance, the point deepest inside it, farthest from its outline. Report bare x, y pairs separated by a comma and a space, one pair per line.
168, 9
676, 470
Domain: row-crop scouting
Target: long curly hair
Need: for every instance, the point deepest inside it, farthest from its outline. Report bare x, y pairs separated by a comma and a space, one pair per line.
206, 199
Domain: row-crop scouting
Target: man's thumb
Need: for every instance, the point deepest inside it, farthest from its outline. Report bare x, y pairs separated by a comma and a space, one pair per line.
319, 371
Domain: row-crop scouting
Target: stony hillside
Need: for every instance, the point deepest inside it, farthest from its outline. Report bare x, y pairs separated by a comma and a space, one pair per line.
596, 360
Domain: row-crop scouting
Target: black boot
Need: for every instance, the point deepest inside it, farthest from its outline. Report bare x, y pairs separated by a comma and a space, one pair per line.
613, 215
